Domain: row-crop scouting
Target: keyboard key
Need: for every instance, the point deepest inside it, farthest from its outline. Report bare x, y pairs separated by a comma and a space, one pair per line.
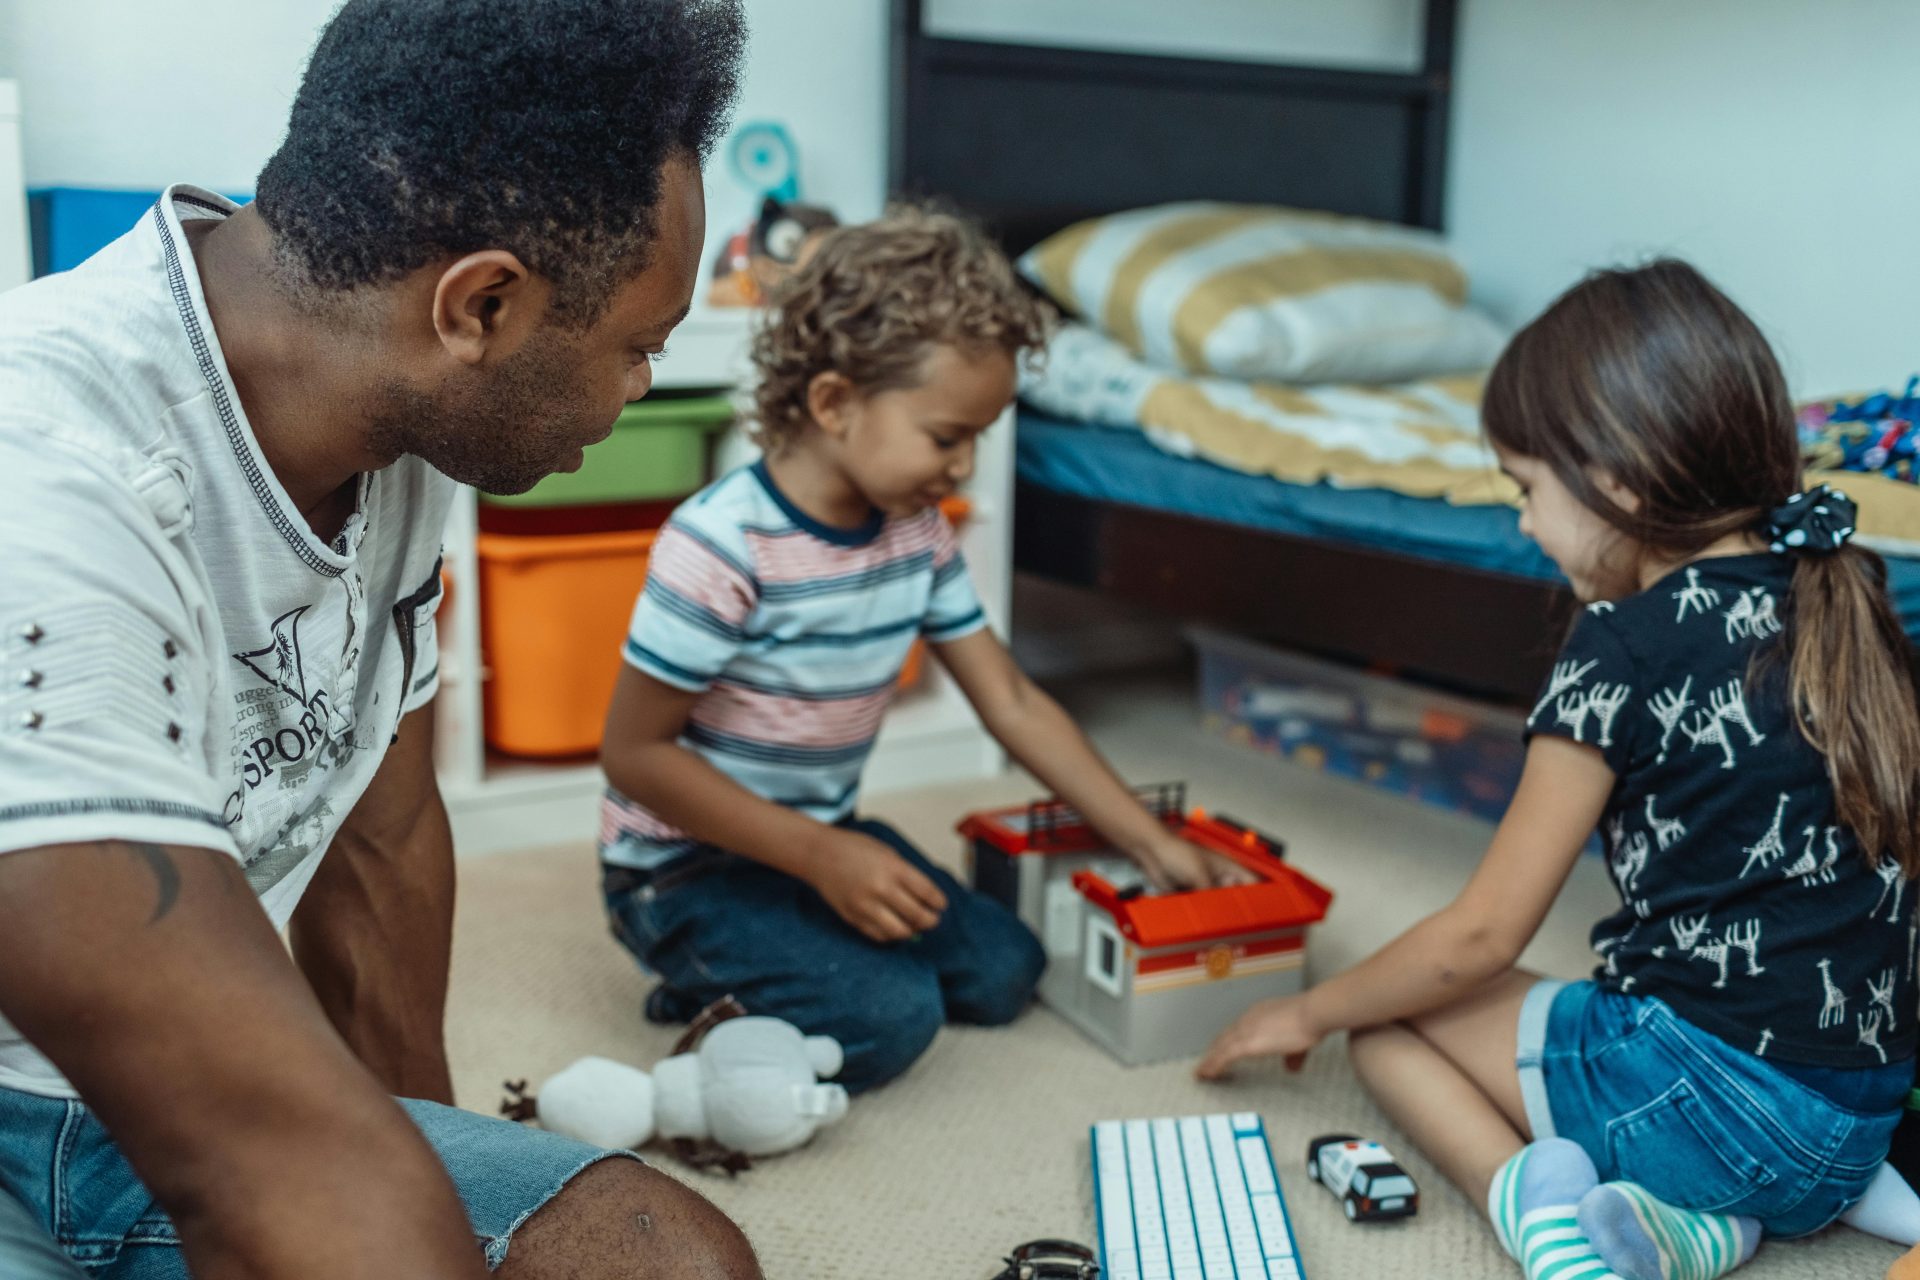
1272, 1221
1191, 1198
1258, 1164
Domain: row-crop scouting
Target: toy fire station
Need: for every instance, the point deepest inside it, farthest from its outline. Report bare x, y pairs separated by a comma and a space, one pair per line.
1148, 976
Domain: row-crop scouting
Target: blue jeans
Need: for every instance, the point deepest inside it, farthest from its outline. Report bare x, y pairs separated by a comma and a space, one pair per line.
59, 1164
770, 941
1697, 1122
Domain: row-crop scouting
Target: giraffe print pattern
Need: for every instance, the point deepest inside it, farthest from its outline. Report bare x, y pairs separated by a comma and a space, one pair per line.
1741, 894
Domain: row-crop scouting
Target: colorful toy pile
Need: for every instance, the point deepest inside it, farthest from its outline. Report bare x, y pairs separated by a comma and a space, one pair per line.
1876, 435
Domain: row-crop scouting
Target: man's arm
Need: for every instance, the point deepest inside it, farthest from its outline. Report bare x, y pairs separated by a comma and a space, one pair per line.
152, 979
374, 931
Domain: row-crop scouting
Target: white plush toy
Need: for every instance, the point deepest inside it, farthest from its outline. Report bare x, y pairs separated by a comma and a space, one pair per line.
751, 1087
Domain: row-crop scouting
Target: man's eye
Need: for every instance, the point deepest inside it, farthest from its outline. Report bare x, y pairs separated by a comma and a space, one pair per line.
651, 357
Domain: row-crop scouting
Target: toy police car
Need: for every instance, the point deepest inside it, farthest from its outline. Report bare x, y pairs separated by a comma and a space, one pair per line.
1363, 1175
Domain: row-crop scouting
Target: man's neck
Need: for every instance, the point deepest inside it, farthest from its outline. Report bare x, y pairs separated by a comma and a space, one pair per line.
300, 384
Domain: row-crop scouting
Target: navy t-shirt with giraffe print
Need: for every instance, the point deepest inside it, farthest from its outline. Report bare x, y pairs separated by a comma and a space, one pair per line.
1745, 905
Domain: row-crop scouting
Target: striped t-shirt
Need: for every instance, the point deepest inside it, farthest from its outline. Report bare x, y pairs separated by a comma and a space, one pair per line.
794, 633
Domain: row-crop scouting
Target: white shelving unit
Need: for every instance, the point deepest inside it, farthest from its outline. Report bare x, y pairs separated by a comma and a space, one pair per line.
930, 735
15, 256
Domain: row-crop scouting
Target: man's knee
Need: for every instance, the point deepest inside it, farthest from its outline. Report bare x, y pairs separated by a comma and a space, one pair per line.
620, 1218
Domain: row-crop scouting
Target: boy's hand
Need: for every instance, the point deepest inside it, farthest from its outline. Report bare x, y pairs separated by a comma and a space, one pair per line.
873, 888
1278, 1027
1173, 863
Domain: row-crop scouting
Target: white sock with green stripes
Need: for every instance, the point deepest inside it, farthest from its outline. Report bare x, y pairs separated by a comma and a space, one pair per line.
1646, 1239
1531, 1205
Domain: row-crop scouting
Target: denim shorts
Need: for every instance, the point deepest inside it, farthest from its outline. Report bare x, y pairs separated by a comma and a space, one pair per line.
1697, 1122
58, 1163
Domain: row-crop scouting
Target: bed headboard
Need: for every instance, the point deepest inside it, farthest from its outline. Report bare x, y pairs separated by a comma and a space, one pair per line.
1031, 138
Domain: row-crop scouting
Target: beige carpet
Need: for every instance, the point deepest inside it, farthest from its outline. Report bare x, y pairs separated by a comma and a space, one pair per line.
983, 1144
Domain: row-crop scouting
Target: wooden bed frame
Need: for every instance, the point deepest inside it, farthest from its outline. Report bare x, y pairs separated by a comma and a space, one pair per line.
1031, 139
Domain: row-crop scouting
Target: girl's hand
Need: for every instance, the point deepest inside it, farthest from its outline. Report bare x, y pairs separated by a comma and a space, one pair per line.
1273, 1028
1173, 863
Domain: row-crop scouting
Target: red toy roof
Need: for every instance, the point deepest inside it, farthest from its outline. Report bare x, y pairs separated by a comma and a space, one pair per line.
1283, 897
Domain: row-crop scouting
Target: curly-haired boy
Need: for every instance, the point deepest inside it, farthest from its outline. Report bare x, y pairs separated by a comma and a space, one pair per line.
781, 604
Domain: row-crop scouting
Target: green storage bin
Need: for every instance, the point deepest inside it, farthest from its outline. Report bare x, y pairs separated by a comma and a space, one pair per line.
658, 449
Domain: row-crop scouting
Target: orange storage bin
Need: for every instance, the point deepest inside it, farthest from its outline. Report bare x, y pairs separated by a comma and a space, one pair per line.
553, 616
956, 509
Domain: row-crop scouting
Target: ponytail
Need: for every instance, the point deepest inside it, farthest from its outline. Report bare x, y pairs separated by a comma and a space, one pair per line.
1852, 694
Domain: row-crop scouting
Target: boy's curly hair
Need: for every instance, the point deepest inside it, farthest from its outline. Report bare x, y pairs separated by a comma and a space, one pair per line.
874, 299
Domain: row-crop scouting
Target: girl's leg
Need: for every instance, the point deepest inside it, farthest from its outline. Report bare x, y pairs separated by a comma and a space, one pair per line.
1449, 1081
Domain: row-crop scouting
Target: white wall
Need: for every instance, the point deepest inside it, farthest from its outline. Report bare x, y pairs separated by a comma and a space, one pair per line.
120, 93
1772, 142
1381, 34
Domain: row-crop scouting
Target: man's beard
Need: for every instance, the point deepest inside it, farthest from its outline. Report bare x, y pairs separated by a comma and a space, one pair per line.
501, 432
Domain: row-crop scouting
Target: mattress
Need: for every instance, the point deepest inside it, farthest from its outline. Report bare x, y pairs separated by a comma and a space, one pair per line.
1121, 465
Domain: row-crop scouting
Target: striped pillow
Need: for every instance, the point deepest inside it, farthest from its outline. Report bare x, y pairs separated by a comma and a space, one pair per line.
1260, 292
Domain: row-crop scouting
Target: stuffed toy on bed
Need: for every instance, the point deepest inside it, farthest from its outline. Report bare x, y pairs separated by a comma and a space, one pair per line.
751, 1088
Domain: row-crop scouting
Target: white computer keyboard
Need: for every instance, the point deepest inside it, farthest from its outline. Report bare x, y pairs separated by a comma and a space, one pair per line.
1190, 1198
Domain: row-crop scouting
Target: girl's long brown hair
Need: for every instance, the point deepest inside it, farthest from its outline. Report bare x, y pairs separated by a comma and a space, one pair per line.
1655, 378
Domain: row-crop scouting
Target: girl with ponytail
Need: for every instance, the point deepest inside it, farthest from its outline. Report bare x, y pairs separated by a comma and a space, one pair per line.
1734, 711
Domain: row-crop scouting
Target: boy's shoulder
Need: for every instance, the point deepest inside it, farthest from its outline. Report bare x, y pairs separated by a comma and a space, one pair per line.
726, 511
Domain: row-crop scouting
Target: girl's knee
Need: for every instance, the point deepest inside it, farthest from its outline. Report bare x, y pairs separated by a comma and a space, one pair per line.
1367, 1047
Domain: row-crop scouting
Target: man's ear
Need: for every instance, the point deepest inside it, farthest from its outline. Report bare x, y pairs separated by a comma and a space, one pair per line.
832, 402
486, 304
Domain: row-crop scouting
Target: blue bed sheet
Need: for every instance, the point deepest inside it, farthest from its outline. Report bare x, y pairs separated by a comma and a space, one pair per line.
1118, 465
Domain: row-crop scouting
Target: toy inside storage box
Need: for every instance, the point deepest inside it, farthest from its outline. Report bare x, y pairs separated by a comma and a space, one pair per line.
1148, 976
1435, 747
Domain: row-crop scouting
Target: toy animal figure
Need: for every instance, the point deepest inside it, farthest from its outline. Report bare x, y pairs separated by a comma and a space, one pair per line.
759, 257
752, 1088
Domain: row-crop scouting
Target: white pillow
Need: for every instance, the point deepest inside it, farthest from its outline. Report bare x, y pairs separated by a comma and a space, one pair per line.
1266, 293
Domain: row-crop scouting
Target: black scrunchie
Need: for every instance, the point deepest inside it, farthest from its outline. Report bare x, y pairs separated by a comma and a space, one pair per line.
1815, 523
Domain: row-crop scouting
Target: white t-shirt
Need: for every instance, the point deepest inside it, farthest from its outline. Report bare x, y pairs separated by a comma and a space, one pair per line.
181, 660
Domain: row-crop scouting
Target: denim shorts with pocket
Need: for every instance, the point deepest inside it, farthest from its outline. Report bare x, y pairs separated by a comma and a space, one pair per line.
63, 1168
1697, 1122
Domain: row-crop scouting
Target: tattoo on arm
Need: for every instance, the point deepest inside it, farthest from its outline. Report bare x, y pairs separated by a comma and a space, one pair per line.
166, 876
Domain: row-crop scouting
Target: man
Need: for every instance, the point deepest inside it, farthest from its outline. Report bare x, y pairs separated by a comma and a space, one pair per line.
227, 444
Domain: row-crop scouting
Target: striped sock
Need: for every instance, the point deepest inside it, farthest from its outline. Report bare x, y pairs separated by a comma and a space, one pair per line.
1531, 1205
1646, 1239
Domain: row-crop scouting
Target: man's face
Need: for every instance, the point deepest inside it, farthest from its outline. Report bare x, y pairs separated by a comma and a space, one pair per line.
504, 428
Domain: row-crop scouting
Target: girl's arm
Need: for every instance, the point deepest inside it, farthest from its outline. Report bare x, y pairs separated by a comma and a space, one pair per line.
1046, 742
1563, 791
870, 886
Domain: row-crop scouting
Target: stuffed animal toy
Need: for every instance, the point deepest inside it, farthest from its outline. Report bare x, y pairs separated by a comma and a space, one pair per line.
751, 1088
757, 258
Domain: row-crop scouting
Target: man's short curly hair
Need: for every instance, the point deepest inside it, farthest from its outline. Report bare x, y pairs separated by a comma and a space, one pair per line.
428, 128
871, 303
